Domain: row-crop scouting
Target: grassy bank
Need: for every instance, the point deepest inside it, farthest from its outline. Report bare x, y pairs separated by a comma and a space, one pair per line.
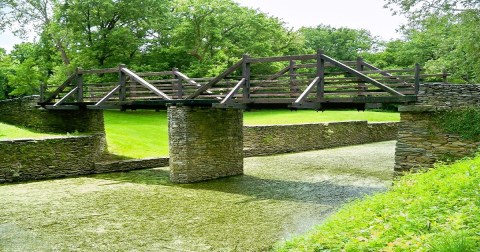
11, 132
141, 134
434, 211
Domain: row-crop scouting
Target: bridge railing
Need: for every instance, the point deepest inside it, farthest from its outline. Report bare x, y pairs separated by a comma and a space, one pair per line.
299, 80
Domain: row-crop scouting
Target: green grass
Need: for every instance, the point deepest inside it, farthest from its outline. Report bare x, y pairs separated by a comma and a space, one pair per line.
265, 117
12, 132
142, 134
434, 211
137, 134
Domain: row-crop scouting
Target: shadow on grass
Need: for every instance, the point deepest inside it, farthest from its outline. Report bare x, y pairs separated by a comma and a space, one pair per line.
324, 192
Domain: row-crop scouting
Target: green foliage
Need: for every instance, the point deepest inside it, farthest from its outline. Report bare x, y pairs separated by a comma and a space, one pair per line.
437, 209
341, 43
459, 241
463, 122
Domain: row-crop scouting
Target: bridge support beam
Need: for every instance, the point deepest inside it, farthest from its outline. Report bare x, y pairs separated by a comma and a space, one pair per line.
204, 143
423, 139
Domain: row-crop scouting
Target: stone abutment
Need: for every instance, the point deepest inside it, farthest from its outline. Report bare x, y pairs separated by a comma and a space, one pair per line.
428, 131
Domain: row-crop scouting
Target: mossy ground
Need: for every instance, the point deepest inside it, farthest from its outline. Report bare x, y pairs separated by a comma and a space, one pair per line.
278, 197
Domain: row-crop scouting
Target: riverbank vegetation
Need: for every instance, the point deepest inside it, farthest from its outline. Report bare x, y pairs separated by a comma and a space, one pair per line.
434, 211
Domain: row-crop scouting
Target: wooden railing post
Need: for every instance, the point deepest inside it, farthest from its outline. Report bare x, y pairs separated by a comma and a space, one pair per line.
444, 76
320, 74
246, 76
79, 73
360, 67
123, 83
42, 92
293, 79
178, 85
417, 78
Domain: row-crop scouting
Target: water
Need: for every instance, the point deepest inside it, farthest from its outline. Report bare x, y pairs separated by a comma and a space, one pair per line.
277, 198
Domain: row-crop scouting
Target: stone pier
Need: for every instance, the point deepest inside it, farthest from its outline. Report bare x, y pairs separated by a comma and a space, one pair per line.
204, 143
422, 140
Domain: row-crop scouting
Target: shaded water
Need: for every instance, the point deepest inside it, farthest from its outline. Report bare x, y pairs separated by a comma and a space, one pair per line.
279, 196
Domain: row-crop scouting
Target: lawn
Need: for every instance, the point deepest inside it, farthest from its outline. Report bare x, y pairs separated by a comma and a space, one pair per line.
142, 134
12, 132
434, 211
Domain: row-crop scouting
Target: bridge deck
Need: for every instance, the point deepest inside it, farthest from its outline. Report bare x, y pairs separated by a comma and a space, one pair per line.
311, 81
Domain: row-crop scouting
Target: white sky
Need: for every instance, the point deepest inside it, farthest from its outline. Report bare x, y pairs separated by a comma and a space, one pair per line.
366, 14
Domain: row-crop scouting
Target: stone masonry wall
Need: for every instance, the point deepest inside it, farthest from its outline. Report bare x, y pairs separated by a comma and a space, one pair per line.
204, 143
276, 139
421, 142
33, 159
24, 112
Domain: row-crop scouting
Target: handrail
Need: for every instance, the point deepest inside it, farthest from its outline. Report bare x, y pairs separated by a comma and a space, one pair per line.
144, 83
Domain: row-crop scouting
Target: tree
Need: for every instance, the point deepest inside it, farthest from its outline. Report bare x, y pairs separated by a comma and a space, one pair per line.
32, 16
107, 32
208, 36
420, 9
342, 43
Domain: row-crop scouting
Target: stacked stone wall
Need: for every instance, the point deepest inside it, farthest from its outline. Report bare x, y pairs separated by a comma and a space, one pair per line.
24, 112
129, 165
33, 159
276, 139
204, 143
421, 140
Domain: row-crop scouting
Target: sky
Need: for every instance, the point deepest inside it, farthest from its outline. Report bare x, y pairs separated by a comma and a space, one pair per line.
358, 14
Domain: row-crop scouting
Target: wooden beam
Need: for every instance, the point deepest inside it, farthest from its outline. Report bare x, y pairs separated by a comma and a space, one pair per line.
144, 83
305, 93
98, 71
106, 97
215, 80
380, 71
187, 79
60, 88
417, 78
362, 76
282, 58
279, 73
320, 74
79, 85
233, 91
75, 89
246, 76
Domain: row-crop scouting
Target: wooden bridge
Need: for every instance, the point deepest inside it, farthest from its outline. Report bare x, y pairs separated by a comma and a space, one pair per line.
314, 81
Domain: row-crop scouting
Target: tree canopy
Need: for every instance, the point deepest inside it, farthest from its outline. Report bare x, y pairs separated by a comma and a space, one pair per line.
203, 38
